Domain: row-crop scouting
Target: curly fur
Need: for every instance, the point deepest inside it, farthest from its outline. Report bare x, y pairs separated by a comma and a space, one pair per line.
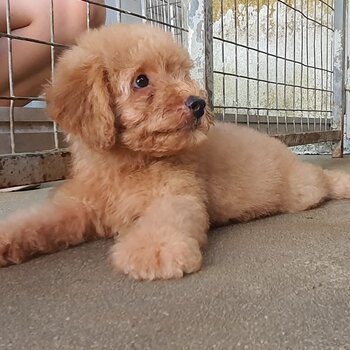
145, 170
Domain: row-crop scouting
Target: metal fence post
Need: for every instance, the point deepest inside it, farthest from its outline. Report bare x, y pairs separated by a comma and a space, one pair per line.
347, 84
339, 73
200, 43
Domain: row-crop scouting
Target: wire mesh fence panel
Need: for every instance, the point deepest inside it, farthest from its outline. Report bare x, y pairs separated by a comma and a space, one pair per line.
15, 132
273, 64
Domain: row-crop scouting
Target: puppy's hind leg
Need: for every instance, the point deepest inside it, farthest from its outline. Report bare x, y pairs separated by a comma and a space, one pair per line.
309, 185
339, 184
45, 229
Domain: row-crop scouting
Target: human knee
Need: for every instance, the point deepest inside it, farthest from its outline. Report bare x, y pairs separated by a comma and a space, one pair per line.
71, 19
97, 15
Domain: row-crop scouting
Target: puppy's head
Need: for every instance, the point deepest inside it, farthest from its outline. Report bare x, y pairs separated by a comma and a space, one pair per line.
129, 86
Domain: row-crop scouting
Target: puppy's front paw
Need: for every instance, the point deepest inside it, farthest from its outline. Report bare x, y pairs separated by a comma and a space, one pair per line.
10, 250
149, 259
4, 249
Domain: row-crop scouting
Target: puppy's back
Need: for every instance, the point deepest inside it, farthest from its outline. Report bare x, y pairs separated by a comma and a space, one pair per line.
245, 172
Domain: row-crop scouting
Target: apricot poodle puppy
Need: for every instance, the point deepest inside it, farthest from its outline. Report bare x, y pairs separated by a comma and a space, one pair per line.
149, 167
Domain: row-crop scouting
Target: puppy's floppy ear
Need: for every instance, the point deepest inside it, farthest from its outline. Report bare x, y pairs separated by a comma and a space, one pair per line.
80, 98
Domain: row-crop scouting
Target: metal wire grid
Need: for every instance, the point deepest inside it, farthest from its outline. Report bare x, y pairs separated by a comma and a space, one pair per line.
273, 59
165, 13
168, 14
273, 64
171, 13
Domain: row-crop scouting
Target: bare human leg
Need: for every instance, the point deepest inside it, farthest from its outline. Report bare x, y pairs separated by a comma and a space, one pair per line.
31, 61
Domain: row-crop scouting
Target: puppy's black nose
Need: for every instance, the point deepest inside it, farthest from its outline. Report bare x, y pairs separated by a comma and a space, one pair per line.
196, 105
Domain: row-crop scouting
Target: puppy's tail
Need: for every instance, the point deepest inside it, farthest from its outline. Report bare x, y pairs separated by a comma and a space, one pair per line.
339, 184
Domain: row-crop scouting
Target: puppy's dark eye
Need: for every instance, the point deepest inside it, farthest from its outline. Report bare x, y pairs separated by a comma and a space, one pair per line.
141, 81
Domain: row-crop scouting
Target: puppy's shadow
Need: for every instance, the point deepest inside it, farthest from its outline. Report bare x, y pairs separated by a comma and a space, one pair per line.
227, 243
221, 244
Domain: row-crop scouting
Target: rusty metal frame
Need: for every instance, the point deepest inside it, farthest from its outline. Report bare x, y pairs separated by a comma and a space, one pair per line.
305, 138
32, 168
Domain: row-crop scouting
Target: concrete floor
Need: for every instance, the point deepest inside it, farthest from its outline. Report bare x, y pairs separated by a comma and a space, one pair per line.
277, 283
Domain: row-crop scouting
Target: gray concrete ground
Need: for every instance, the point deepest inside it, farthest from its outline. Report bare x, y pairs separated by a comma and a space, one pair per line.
277, 283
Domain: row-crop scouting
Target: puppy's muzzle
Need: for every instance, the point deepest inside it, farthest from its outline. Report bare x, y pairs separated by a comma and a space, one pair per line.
196, 105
